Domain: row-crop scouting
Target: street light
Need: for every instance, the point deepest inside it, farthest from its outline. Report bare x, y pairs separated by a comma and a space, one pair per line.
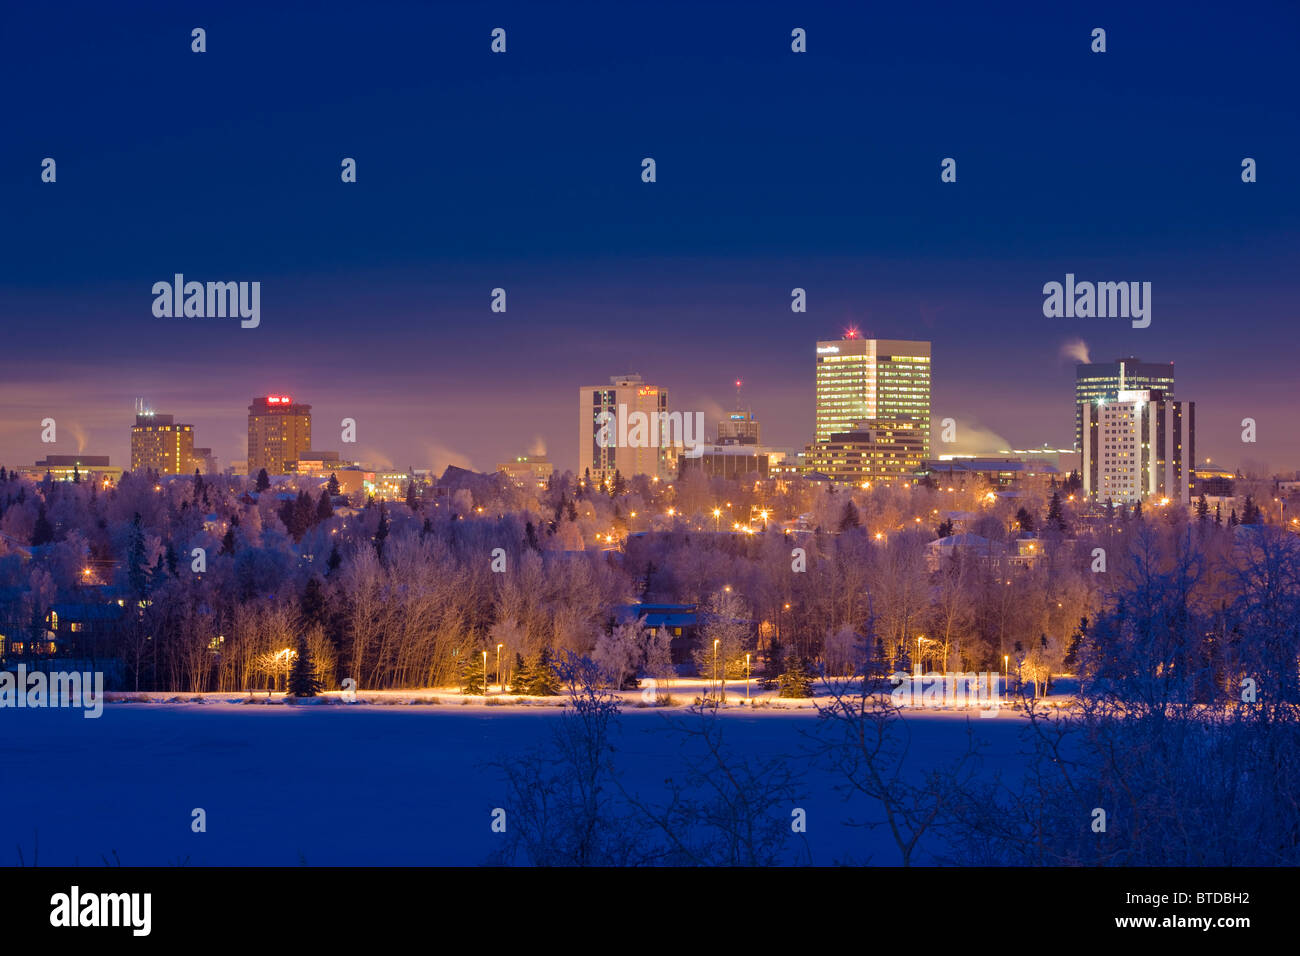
746, 677
717, 519
716, 642
485, 683
499, 684
1006, 671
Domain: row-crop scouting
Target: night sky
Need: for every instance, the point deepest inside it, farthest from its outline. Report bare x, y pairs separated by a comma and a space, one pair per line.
775, 170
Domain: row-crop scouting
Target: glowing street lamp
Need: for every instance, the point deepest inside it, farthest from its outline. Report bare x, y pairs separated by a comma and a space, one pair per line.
717, 519
499, 684
716, 642
746, 677
485, 683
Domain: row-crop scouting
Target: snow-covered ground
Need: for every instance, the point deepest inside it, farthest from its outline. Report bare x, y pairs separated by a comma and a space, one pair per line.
375, 782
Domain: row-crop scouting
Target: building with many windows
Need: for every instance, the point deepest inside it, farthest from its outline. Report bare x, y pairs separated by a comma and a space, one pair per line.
625, 427
160, 443
279, 432
862, 380
528, 470
873, 450
1105, 380
1140, 445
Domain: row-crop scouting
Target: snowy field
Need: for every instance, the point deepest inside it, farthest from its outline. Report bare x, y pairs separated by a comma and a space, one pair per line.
367, 783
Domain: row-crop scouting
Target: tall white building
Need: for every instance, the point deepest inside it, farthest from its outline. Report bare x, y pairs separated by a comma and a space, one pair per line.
1141, 445
625, 427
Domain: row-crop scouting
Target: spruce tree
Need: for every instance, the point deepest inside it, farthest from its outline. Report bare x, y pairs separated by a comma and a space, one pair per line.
302, 674
43, 531
471, 672
313, 606
1025, 520
543, 680
521, 677
381, 532
797, 679
324, 507
1202, 509
333, 486
1055, 518
334, 560
263, 480
412, 499
849, 517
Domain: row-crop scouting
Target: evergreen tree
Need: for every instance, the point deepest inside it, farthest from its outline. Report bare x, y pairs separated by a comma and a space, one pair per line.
333, 485
324, 507
1250, 513
1055, 517
647, 581
135, 570
471, 672
313, 606
619, 486
302, 674
797, 679
1218, 514
773, 667
521, 677
263, 480
1202, 509
381, 532
530, 537
43, 531
76, 473
945, 528
172, 559
572, 512
1024, 519
849, 517
412, 499
335, 559
1137, 511
1232, 518
228, 542
543, 680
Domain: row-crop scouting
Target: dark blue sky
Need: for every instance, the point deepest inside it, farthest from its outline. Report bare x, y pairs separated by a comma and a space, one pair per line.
522, 170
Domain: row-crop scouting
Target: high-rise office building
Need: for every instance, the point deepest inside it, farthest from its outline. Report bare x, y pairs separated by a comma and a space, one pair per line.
160, 443
626, 427
861, 380
279, 431
1139, 445
1105, 380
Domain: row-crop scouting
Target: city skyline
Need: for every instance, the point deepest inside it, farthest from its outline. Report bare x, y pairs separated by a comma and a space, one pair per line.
376, 295
103, 439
